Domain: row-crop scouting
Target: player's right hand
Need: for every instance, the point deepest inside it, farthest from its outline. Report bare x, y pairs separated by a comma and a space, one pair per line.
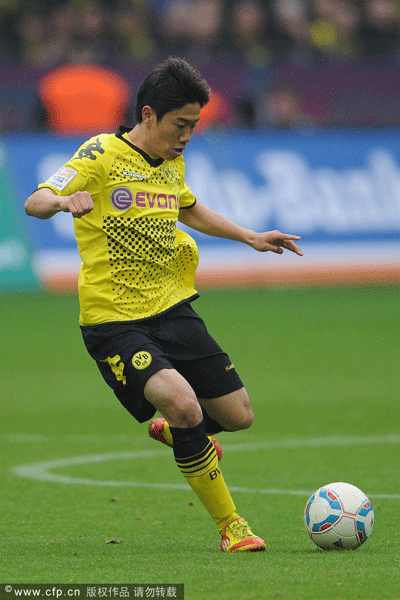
78, 204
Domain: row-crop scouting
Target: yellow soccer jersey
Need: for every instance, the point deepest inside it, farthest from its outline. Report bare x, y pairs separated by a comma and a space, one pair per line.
135, 262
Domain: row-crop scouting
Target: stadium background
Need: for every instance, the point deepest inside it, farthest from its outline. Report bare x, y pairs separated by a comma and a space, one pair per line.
302, 135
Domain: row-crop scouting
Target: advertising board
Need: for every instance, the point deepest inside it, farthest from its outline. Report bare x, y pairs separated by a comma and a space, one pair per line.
340, 192
16, 273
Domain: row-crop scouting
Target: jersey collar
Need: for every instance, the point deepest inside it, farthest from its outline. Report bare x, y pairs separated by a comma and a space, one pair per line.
153, 162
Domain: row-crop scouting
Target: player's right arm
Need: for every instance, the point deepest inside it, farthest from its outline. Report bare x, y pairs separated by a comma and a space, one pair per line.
44, 203
74, 186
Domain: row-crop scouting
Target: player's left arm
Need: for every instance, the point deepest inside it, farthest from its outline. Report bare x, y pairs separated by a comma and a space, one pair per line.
204, 219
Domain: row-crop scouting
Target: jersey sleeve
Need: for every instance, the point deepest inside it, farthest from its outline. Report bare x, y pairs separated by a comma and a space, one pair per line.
186, 198
84, 172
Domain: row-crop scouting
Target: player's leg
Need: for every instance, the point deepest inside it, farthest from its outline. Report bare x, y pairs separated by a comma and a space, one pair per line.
194, 453
196, 456
232, 412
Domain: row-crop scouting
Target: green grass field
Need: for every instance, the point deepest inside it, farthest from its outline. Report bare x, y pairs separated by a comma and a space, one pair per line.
322, 369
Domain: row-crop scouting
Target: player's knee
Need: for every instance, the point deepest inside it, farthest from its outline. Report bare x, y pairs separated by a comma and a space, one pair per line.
173, 397
248, 419
244, 413
185, 412
237, 413
239, 419
245, 419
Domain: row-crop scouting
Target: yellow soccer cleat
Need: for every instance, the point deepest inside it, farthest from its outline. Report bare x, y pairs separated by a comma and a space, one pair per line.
238, 537
156, 431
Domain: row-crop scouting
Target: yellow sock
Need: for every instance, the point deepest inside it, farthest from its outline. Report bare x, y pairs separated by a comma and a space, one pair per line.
203, 473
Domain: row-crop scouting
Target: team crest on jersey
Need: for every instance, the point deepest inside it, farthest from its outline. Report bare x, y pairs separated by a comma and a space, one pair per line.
171, 173
121, 198
141, 360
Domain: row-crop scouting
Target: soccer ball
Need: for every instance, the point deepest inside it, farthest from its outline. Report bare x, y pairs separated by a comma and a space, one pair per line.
339, 515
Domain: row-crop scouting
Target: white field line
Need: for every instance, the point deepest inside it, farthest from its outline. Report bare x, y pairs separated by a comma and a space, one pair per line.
43, 471
267, 445
88, 438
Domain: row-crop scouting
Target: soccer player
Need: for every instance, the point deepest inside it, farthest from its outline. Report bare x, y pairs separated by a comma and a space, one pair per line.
126, 191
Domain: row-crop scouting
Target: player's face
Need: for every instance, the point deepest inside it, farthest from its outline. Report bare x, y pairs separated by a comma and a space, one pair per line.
168, 137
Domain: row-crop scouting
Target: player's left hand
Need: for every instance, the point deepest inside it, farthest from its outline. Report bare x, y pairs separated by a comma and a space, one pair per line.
275, 241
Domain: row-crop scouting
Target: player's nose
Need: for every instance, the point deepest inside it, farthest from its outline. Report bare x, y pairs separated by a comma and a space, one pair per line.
185, 137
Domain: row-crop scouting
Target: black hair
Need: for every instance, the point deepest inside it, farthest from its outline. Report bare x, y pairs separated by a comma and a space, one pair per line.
172, 84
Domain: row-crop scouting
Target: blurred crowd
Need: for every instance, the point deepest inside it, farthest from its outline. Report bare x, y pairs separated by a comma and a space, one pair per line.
257, 35
44, 33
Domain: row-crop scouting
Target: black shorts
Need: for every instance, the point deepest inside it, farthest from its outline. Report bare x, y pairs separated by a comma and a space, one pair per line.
127, 353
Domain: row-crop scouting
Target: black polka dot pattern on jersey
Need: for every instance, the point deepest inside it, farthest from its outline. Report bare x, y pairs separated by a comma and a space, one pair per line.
143, 255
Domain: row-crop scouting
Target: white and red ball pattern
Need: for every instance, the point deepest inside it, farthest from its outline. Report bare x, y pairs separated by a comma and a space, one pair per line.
339, 515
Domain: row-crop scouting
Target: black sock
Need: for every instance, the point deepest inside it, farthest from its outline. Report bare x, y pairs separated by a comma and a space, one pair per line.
189, 441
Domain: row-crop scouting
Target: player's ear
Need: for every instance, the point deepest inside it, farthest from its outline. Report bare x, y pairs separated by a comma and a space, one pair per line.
148, 115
